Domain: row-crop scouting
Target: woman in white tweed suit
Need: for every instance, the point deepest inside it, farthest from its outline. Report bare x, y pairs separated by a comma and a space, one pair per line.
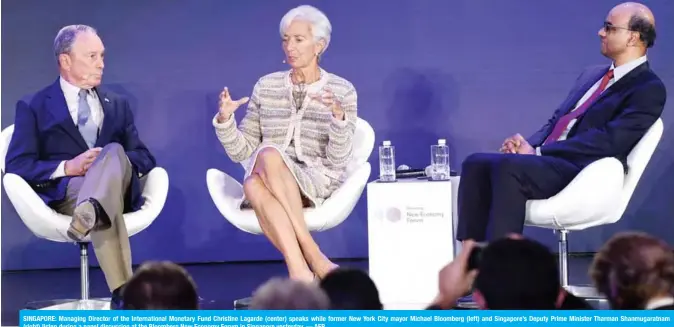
298, 134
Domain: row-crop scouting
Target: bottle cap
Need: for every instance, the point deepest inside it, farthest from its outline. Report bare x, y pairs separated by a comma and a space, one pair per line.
442, 142
387, 143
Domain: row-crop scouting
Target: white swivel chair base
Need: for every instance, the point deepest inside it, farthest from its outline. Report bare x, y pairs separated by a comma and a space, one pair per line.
71, 304
587, 293
84, 303
583, 292
242, 304
467, 303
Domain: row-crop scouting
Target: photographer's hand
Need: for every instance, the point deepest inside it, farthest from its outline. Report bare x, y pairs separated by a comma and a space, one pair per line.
454, 279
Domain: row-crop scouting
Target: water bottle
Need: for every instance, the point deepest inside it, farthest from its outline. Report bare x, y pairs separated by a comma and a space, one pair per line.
440, 161
387, 163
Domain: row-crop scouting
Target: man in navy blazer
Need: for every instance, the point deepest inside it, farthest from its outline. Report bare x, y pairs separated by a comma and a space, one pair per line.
76, 144
605, 115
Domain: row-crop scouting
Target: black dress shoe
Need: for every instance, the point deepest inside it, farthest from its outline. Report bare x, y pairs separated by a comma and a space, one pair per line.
116, 302
102, 219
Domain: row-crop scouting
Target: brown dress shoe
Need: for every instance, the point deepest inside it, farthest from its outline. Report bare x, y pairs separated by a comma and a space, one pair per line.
87, 216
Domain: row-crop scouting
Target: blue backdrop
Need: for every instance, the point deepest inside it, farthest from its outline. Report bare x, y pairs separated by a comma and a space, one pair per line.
471, 71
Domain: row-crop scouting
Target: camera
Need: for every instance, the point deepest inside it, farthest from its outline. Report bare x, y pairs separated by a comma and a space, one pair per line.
475, 257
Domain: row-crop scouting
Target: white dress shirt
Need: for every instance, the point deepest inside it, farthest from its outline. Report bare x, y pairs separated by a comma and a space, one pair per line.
72, 95
618, 73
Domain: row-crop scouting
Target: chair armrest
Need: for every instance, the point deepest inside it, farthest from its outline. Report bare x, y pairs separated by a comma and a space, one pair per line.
225, 191
155, 192
40, 219
341, 202
589, 198
46, 223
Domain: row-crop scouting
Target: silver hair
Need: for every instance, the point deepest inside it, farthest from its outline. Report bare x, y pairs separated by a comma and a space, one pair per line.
65, 38
320, 24
288, 294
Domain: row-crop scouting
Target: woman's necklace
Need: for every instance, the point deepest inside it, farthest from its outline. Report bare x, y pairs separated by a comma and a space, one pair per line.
299, 90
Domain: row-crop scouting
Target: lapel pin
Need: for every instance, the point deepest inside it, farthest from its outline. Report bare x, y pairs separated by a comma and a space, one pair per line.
106, 100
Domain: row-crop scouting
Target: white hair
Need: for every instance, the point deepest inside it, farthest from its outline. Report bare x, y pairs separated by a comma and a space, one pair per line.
287, 294
65, 38
320, 24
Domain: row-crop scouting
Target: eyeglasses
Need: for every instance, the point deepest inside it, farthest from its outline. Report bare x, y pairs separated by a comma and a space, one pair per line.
608, 27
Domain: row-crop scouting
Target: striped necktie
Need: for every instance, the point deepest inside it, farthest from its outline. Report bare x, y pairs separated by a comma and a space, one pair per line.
85, 123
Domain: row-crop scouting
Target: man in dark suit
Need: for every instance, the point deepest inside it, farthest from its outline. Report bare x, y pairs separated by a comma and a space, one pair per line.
607, 112
77, 146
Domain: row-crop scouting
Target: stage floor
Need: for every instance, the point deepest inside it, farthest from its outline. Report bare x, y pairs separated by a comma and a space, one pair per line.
219, 283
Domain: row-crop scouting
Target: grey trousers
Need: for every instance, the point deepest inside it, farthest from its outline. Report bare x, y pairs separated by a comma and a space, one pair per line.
106, 181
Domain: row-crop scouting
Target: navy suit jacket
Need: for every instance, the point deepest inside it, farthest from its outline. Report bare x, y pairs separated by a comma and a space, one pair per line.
614, 124
45, 134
